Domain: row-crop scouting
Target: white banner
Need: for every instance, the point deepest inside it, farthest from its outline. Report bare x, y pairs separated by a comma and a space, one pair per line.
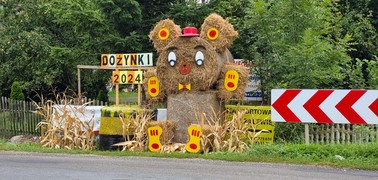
84, 113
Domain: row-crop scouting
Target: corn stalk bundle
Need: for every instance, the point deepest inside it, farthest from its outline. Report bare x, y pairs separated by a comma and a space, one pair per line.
137, 123
175, 147
232, 136
61, 127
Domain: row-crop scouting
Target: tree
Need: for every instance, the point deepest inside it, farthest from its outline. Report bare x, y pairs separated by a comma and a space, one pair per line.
47, 39
16, 92
357, 21
293, 46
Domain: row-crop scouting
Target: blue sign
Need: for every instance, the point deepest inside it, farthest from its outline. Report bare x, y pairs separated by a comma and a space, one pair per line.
253, 94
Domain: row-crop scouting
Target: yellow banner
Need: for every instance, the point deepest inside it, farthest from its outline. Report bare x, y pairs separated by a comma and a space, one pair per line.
111, 124
259, 117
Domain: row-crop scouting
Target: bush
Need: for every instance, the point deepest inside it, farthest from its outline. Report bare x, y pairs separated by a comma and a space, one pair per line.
101, 96
16, 91
289, 133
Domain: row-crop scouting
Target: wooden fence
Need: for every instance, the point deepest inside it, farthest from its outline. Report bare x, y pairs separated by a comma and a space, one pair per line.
17, 117
342, 133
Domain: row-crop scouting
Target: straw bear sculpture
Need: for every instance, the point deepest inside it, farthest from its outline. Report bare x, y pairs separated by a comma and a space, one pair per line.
195, 73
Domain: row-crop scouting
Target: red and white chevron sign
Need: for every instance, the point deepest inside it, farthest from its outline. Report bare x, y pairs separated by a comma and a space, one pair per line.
325, 106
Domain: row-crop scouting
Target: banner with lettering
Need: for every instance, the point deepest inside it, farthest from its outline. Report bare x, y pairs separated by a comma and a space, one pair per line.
260, 116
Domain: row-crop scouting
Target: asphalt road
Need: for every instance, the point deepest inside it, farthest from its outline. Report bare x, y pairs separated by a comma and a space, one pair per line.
40, 166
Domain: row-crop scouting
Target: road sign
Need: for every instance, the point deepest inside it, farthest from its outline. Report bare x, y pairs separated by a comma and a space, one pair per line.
325, 106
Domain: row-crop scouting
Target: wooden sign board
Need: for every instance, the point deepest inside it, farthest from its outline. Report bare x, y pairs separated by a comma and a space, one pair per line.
127, 77
126, 60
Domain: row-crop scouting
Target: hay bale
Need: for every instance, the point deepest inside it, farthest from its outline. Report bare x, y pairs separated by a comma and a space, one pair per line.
168, 130
174, 31
187, 108
226, 32
201, 78
207, 138
224, 94
161, 97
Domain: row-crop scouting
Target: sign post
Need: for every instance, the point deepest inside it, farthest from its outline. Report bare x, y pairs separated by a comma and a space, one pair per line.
117, 90
117, 62
127, 77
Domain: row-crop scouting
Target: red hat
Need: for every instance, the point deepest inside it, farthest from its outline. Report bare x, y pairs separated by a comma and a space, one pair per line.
190, 32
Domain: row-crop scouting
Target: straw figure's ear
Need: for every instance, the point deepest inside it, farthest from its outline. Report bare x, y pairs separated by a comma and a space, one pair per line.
218, 32
163, 33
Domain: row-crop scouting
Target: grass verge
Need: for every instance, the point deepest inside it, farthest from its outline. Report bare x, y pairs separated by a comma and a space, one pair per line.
123, 94
354, 156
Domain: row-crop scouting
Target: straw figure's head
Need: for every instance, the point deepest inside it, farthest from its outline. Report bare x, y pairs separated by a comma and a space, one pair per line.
191, 60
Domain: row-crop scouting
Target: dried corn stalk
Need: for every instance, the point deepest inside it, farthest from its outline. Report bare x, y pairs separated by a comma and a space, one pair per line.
232, 136
61, 127
137, 123
175, 147
214, 132
237, 130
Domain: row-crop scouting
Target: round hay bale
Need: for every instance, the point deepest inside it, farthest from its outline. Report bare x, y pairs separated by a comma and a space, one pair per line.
161, 97
174, 31
239, 93
201, 78
225, 29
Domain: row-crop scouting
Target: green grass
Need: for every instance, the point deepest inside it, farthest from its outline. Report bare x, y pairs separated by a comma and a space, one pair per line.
356, 156
123, 94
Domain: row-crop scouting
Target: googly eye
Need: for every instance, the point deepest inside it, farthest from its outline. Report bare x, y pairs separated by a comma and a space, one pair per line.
172, 58
212, 33
199, 58
163, 33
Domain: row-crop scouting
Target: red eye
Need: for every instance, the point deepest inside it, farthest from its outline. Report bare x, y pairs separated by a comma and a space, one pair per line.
163, 34
212, 34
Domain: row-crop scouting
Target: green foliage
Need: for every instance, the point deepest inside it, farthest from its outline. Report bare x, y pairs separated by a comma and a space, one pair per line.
357, 19
188, 13
16, 92
295, 44
372, 69
289, 133
47, 39
102, 96
307, 44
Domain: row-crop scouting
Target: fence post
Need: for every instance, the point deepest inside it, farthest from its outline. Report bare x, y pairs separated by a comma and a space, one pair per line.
307, 134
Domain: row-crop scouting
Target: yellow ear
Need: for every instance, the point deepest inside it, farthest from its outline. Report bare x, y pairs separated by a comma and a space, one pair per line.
218, 32
163, 33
